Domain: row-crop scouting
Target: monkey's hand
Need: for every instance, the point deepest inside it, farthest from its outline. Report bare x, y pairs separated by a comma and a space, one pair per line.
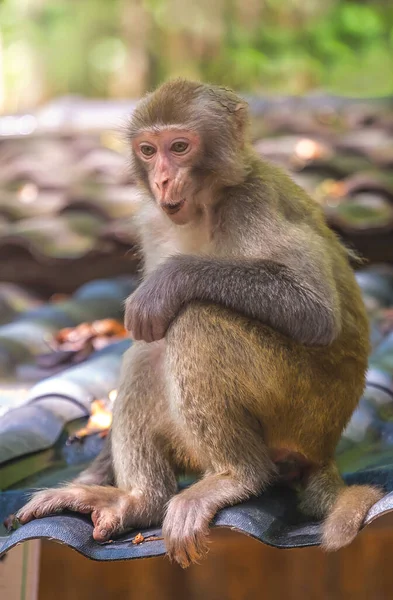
151, 309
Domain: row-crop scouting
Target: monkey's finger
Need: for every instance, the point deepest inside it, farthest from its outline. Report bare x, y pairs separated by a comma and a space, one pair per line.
144, 330
148, 334
133, 327
158, 331
128, 321
131, 334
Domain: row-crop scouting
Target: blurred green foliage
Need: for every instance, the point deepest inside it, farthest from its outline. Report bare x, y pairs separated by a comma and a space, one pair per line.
122, 47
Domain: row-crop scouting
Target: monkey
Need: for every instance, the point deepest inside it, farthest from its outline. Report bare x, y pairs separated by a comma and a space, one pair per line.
251, 339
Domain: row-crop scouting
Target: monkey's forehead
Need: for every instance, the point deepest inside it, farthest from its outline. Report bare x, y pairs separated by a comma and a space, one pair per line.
160, 127
200, 107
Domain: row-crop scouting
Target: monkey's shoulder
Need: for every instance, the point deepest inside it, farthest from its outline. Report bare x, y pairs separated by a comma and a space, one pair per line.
270, 203
269, 192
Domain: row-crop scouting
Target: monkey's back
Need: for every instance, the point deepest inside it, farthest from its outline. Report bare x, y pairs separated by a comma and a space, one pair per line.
309, 392
298, 208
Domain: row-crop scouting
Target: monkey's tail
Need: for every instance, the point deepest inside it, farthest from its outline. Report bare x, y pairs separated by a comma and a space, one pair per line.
346, 517
343, 507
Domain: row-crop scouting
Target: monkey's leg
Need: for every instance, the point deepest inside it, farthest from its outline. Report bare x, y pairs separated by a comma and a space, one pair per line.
143, 471
100, 472
142, 432
211, 397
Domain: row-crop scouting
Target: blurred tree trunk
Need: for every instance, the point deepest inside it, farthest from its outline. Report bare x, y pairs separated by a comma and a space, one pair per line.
249, 14
2, 92
135, 26
190, 33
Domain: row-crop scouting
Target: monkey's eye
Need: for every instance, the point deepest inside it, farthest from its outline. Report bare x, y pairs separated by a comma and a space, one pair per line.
147, 150
179, 147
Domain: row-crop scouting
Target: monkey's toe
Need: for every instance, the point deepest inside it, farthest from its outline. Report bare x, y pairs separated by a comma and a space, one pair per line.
48, 502
187, 547
186, 530
186, 551
111, 509
107, 524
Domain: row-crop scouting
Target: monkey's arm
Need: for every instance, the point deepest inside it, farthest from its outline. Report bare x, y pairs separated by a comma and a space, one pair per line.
289, 300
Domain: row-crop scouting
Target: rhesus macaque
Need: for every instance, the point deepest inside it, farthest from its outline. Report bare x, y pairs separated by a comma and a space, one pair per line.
251, 339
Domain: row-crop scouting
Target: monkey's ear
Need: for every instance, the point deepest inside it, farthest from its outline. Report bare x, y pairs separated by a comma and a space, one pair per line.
235, 107
240, 106
240, 113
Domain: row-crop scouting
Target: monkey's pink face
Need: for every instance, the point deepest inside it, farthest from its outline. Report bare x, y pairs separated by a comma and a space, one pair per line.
168, 156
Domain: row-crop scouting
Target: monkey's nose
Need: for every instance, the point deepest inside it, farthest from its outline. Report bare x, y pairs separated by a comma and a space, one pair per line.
163, 184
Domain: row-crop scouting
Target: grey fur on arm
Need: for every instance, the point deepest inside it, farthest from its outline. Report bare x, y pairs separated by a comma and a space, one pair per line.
263, 290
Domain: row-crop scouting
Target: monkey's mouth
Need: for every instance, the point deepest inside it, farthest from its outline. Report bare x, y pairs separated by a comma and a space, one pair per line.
172, 209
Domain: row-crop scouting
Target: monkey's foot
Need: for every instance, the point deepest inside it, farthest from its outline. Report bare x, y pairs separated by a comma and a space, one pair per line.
112, 510
186, 529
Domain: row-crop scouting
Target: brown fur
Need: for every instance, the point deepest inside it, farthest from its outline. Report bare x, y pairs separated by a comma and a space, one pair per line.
231, 387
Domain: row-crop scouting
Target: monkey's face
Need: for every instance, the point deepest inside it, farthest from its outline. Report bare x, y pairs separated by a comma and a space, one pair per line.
168, 156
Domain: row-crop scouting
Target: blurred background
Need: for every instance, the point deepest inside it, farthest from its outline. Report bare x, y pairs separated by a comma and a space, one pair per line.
318, 75
121, 48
